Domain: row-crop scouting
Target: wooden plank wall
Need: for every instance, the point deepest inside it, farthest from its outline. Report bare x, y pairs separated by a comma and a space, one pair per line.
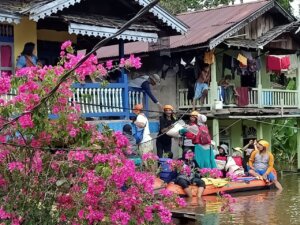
257, 27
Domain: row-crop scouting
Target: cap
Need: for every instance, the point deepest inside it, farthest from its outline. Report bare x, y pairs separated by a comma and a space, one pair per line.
264, 143
238, 149
127, 129
225, 147
155, 77
194, 113
202, 118
168, 107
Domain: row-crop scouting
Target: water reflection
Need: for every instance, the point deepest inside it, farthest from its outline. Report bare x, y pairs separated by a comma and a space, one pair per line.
267, 207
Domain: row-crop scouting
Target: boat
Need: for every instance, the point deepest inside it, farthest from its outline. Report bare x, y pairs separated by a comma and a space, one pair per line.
240, 185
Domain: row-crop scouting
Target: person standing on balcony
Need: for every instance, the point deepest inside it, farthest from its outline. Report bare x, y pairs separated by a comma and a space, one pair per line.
201, 86
27, 57
144, 83
164, 142
142, 134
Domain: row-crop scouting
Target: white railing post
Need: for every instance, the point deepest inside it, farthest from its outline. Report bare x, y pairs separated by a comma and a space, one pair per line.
213, 86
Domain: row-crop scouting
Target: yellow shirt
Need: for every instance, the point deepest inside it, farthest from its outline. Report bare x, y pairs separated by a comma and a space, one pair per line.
270, 163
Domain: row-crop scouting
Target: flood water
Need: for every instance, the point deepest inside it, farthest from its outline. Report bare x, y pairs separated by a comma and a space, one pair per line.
266, 207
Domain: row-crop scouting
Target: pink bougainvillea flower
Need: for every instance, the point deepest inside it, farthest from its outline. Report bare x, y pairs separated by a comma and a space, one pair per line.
18, 166
26, 122
4, 84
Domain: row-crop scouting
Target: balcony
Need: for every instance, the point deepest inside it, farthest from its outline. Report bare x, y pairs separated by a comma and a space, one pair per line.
114, 100
268, 98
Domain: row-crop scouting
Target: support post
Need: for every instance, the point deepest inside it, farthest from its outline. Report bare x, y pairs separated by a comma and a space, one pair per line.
298, 82
259, 131
298, 145
259, 84
213, 86
123, 79
215, 131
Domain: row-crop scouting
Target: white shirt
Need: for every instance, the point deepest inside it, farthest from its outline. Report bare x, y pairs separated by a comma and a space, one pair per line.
141, 118
137, 82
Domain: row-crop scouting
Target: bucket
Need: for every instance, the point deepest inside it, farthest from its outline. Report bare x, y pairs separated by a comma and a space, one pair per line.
218, 104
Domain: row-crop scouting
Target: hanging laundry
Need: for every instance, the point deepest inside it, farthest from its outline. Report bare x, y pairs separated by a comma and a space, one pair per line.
248, 55
209, 57
278, 62
243, 96
242, 59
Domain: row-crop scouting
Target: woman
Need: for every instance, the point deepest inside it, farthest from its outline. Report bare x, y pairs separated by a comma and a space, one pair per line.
204, 155
142, 134
188, 143
164, 142
27, 58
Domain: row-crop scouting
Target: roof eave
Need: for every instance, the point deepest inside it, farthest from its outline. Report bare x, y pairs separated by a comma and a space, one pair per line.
9, 18
50, 8
166, 17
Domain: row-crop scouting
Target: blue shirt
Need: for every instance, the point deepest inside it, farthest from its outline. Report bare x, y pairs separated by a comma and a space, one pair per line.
21, 63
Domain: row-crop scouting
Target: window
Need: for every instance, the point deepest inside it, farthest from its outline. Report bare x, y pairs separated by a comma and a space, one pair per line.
6, 49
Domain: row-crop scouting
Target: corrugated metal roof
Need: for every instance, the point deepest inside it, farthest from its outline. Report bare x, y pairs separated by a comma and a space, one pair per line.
204, 25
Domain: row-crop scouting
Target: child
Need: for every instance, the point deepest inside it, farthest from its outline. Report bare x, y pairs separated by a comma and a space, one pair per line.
127, 132
189, 176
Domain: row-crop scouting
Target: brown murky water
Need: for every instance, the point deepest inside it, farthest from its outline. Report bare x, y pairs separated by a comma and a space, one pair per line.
267, 207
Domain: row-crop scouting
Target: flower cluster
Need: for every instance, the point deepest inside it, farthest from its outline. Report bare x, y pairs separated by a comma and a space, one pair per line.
210, 173
189, 155
227, 200
175, 165
64, 171
231, 176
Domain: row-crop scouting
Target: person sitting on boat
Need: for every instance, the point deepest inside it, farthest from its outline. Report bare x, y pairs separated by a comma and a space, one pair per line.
261, 163
189, 175
204, 155
127, 132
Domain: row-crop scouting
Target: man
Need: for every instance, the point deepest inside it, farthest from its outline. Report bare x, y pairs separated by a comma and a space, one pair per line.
261, 163
201, 86
145, 144
144, 82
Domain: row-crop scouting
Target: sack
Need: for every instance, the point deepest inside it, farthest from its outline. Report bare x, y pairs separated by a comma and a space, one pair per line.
174, 132
139, 136
203, 136
220, 164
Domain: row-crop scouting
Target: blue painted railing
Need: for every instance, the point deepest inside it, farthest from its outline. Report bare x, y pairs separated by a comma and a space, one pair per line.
113, 100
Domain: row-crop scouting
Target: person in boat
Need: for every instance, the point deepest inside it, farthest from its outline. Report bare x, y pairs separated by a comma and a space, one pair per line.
261, 163
204, 155
189, 175
164, 142
187, 142
222, 153
127, 132
248, 149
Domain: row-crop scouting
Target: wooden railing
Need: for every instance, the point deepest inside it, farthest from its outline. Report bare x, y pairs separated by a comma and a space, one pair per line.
268, 98
185, 103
